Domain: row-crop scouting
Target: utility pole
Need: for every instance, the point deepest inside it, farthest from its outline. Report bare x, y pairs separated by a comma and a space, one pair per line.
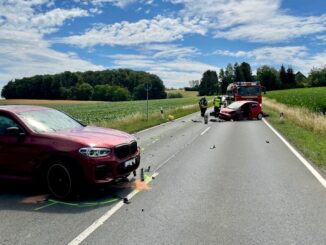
147, 86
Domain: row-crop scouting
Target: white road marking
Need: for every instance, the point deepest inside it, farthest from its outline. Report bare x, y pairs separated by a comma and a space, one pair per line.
100, 221
205, 131
299, 156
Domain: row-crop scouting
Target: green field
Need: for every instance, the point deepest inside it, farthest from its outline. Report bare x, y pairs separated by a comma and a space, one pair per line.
312, 98
185, 94
107, 111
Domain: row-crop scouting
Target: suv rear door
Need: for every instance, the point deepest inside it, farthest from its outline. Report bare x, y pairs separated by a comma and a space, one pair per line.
16, 152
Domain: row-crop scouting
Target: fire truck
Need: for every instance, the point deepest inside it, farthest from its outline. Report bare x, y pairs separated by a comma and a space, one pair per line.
245, 91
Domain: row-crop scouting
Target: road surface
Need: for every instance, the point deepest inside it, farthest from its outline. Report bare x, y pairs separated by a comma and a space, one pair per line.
217, 183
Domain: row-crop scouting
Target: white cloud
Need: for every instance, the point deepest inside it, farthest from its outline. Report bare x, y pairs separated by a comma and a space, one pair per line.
158, 30
280, 28
296, 56
175, 73
253, 20
169, 51
22, 59
118, 3
21, 15
46, 22
269, 54
322, 38
23, 49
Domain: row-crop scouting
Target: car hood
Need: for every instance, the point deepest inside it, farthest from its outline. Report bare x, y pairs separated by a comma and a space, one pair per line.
227, 110
96, 137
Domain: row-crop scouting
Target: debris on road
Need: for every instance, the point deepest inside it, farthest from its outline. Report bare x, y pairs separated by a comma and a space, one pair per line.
126, 201
267, 141
140, 185
196, 121
36, 199
213, 147
142, 175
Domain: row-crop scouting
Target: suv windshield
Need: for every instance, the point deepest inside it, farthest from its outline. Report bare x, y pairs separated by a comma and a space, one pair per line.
234, 106
46, 121
247, 91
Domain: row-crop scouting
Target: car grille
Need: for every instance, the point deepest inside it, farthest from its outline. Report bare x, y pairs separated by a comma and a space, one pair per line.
123, 151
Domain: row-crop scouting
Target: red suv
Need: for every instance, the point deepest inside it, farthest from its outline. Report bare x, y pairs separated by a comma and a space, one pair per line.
49, 146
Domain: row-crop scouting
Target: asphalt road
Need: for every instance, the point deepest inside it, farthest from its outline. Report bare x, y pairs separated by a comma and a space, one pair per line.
217, 183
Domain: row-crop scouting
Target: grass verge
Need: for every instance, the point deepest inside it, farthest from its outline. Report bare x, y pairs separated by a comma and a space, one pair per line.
311, 143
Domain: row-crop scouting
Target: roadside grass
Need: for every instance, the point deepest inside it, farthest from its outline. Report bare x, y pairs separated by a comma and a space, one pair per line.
312, 143
301, 116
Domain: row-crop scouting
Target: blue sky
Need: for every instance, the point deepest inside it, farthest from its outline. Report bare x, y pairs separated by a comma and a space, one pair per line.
176, 39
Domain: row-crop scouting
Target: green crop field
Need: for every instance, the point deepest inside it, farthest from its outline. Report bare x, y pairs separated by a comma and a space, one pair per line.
312, 98
106, 111
185, 94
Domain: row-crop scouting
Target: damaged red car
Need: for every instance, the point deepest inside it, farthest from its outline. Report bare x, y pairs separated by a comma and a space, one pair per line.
242, 110
61, 153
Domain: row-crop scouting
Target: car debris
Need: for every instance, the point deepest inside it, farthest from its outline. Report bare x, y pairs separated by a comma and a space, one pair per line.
142, 175
126, 200
196, 121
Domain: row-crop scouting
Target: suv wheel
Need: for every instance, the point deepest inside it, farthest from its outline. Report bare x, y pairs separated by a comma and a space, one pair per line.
60, 181
260, 116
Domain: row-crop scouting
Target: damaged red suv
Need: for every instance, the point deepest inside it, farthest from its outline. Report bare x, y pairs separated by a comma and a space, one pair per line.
63, 154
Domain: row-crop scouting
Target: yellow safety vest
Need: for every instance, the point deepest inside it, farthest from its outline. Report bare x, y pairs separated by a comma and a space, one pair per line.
217, 103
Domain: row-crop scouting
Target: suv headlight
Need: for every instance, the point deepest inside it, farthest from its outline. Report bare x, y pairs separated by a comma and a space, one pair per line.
95, 152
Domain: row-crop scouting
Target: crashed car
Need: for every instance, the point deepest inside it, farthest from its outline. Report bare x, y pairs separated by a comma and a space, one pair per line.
242, 110
61, 153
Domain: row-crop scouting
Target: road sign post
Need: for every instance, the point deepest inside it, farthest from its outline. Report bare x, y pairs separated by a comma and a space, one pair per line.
147, 86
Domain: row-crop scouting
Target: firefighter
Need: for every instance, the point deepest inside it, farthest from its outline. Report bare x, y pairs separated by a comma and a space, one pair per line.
217, 105
203, 106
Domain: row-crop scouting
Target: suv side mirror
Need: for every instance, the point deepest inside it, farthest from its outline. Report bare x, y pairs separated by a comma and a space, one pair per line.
15, 131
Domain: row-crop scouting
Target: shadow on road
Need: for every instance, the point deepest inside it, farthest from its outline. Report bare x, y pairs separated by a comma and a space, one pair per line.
24, 196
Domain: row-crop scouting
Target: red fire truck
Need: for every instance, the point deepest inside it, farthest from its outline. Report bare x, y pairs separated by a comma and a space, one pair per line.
245, 91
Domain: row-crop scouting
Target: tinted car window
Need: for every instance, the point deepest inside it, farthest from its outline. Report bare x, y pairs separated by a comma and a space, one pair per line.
6, 122
247, 91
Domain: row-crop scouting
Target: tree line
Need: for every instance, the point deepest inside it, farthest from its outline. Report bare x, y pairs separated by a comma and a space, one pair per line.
212, 83
106, 85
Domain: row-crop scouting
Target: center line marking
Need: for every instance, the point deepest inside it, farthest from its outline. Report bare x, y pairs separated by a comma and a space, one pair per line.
205, 131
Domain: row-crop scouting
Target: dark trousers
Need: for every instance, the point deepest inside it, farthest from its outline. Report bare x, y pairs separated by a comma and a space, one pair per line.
216, 110
203, 110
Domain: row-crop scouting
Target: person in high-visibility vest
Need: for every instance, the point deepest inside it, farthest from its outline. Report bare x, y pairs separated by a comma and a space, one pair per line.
217, 105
